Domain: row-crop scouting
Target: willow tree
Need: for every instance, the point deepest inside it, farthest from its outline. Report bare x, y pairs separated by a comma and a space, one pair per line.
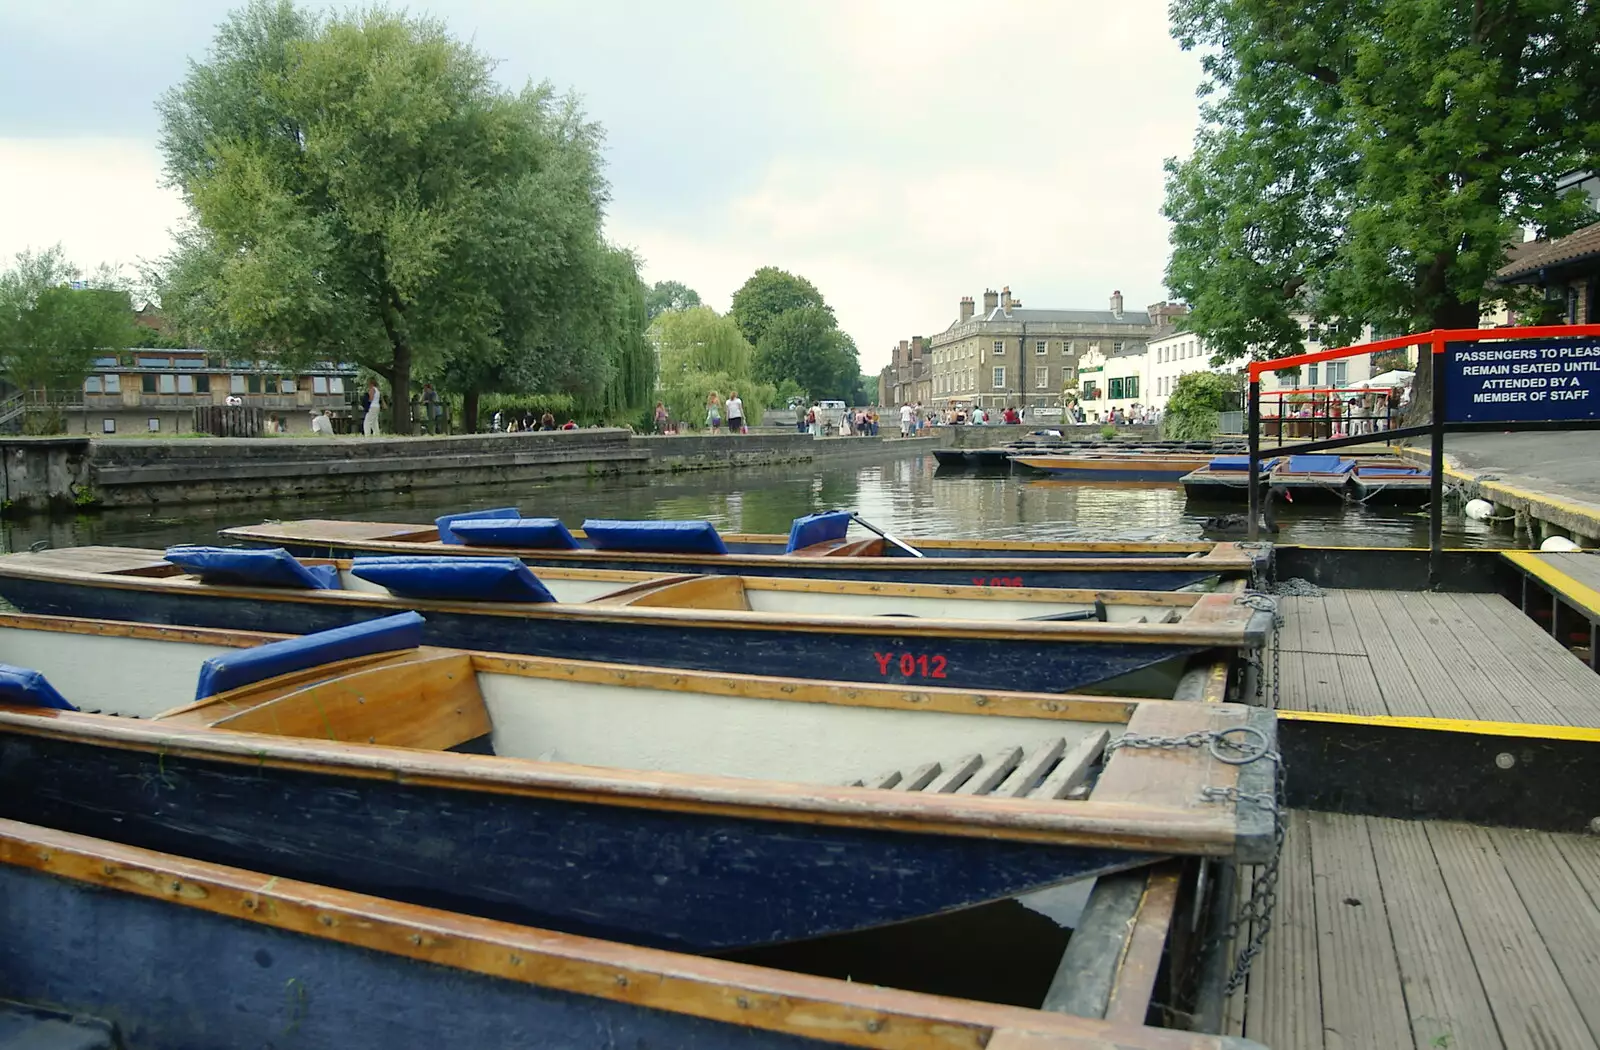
362, 189
703, 352
1369, 162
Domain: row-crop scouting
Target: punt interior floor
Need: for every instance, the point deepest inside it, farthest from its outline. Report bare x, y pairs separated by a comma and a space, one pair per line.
1467, 656
1427, 935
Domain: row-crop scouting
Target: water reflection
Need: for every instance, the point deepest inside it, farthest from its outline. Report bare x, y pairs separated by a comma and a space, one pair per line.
907, 496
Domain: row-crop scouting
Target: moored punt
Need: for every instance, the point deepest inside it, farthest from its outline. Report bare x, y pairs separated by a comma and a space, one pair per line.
818, 547
1114, 467
135, 949
661, 807
1391, 483
1034, 639
1223, 477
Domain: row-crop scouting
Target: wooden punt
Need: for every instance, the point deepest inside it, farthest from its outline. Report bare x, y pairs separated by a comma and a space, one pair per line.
115, 947
671, 808
1112, 565
901, 633
1391, 483
1112, 467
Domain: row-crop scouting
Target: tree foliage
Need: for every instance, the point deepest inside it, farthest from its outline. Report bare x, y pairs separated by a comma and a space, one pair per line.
806, 346
1368, 162
769, 293
1194, 407
702, 352
361, 189
669, 295
51, 331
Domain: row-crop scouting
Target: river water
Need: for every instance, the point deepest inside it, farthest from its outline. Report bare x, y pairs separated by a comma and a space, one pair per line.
908, 496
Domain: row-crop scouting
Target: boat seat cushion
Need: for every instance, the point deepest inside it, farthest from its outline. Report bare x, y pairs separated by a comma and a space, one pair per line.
538, 533
254, 568
826, 527
28, 688
657, 537
240, 667
446, 578
447, 534
1318, 465
1391, 472
1238, 463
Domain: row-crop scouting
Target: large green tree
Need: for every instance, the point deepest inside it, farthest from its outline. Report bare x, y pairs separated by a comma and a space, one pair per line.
362, 189
669, 295
1369, 162
769, 293
53, 322
804, 345
703, 352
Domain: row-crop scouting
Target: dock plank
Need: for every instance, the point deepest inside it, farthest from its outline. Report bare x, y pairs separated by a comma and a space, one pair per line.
1506, 666
1401, 693
1583, 567
1362, 1001
1492, 685
1559, 677
1532, 1006
1444, 997
1414, 644
1285, 989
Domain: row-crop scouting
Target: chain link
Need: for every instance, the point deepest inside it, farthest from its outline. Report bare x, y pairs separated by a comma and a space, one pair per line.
1257, 912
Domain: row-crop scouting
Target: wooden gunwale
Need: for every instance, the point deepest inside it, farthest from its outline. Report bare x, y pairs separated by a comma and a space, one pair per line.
1221, 556
1226, 630
737, 993
1195, 829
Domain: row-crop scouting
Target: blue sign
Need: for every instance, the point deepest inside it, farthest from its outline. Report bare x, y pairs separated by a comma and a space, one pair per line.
1522, 381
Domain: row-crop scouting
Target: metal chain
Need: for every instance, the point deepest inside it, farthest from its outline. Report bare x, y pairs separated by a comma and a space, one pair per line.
1263, 602
1235, 745
1258, 910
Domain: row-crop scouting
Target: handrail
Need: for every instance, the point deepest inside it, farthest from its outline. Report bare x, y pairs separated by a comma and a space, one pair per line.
1439, 337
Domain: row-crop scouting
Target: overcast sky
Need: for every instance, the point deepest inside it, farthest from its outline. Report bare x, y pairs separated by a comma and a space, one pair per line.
899, 153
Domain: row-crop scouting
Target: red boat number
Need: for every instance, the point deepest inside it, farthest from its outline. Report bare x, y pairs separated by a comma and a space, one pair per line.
997, 581
922, 665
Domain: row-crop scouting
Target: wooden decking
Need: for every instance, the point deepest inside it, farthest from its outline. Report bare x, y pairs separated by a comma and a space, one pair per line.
1466, 656
1427, 936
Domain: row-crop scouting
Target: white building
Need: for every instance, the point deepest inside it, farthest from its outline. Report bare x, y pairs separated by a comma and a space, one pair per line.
1172, 356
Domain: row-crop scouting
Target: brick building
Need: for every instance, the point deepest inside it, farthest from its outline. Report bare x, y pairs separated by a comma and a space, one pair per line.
1567, 269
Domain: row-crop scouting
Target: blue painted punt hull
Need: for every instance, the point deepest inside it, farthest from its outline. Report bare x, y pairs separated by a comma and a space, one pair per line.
892, 654
687, 879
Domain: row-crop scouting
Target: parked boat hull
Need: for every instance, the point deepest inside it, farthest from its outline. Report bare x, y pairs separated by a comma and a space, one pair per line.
1114, 468
895, 652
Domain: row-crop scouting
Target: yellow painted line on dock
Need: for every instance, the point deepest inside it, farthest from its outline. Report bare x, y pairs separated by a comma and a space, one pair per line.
1588, 511
1569, 589
1526, 730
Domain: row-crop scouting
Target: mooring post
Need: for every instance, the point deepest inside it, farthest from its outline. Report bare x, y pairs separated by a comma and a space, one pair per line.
1253, 433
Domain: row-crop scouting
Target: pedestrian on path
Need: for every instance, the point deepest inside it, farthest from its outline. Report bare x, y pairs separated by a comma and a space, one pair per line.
713, 412
735, 409
369, 422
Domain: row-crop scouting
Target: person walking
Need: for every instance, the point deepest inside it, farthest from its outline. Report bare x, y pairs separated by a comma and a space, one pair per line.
661, 417
431, 407
906, 418
373, 404
735, 413
713, 412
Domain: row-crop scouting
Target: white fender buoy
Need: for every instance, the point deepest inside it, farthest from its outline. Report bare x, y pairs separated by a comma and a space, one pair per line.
1558, 543
1480, 509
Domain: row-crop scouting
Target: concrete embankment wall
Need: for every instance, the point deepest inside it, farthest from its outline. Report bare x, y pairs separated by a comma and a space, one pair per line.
47, 473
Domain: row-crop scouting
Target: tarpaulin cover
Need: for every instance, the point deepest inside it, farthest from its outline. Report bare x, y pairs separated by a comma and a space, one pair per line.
444, 578
1318, 465
657, 537
255, 568
28, 688
826, 527
538, 533
447, 535
1390, 472
230, 670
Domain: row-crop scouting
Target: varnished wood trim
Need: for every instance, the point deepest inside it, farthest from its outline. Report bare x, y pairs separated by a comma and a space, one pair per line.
126, 629
1187, 828
213, 709
735, 993
968, 592
1135, 980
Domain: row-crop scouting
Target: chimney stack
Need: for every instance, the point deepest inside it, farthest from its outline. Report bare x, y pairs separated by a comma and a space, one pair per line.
991, 299
1116, 305
967, 307
1005, 298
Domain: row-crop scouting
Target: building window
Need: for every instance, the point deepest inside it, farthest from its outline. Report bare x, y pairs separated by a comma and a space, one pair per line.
91, 385
147, 384
106, 362
152, 424
186, 384
999, 347
999, 377
202, 384
108, 426
1311, 374
155, 362
286, 386
254, 384
113, 384
1130, 386
1114, 388
319, 384
1116, 348
1313, 333
168, 384
1040, 347
1041, 377
236, 384
1338, 372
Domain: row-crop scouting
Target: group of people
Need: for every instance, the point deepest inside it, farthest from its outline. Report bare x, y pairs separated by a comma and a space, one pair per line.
524, 422
720, 414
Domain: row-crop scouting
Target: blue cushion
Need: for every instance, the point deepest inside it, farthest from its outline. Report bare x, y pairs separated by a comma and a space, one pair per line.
446, 535
446, 578
826, 527
244, 666
1239, 463
1318, 465
1390, 472
538, 533
660, 537
256, 568
28, 688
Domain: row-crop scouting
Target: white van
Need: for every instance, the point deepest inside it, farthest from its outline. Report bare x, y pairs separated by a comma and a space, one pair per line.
831, 414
